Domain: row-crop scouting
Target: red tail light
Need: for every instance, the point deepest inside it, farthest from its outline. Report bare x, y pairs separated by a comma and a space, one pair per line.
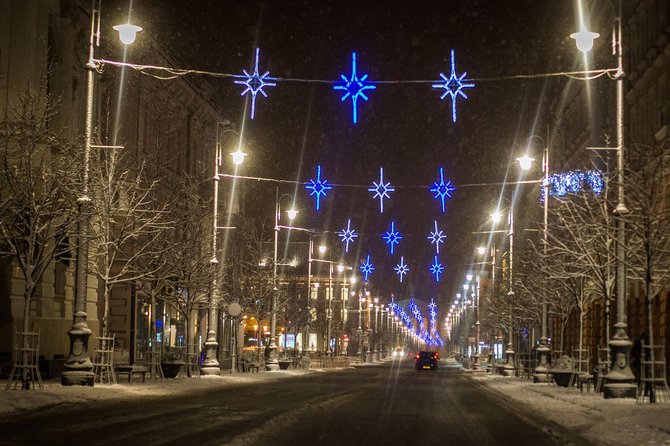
417, 356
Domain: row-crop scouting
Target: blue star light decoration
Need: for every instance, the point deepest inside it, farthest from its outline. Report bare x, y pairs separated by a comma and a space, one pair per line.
392, 237
354, 87
436, 269
453, 86
318, 187
436, 237
347, 235
381, 189
367, 267
401, 269
255, 84
432, 310
442, 190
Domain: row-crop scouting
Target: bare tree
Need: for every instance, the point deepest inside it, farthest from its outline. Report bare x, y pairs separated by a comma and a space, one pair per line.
37, 192
126, 224
188, 270
649, 221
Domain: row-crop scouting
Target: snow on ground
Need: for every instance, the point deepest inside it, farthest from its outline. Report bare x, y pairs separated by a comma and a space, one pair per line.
612, 422
21, 400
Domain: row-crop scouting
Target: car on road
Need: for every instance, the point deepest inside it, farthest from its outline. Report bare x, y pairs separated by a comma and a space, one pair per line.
398, 353
426, 360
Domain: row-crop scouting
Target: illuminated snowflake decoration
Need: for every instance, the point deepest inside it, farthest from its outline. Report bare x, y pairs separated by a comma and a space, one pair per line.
432, 309
354, 87
453, 86
442, 190
392, 237
411, 306
436, 269
367, 267
347, 235
255, 84
318, 187
381, 189
405, 318
436, 237
401, 269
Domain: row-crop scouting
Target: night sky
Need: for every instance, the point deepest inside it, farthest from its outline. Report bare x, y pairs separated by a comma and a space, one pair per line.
404, 128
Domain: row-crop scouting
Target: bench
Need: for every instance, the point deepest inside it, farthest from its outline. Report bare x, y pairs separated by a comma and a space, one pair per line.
246, 365
130, 370
585, 378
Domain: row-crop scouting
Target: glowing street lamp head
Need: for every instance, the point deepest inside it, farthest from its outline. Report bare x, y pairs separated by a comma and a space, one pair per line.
340, 268
496, 217
292, 214
322, 249
584, 39
127, 32
481, 250
525, 162
238, 157
468, 277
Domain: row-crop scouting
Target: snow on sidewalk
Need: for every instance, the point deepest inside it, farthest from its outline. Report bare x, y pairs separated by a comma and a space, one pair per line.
53, 394
612, 422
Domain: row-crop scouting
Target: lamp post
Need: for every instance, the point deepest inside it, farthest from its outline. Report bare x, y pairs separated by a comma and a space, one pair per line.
541, 372
375, 352
476, 365
508, 369
78, 368
210, 365
272, 363
361, 300
620, 380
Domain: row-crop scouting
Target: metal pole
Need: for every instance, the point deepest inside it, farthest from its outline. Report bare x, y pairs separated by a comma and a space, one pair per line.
305, 341
210, 365
509, 364
78, 368
541, 372
271, 359
329, 310
620, 380
476, 365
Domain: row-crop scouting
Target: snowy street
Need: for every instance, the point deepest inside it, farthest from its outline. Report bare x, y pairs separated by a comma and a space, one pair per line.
383, 403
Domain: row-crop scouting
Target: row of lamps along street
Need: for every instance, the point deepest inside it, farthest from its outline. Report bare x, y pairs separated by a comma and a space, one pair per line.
78, 366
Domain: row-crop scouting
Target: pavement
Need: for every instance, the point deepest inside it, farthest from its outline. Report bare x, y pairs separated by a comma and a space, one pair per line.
609, 422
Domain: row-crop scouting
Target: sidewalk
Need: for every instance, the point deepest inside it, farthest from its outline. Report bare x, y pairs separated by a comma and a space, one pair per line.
16, 401
612, 422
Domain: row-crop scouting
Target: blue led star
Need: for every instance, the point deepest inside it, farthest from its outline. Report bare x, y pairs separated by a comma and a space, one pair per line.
347, 235
367, 267
436, 269
392, 237
381, 189
453, 86
401, 269
318, 187
442, 190
255, 84
354, 87
437, 237
432, 309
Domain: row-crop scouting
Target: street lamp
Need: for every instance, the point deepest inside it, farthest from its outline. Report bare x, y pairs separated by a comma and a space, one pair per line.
508, 369
541, 372
620, 380
78, 368
210, 365
272, 363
